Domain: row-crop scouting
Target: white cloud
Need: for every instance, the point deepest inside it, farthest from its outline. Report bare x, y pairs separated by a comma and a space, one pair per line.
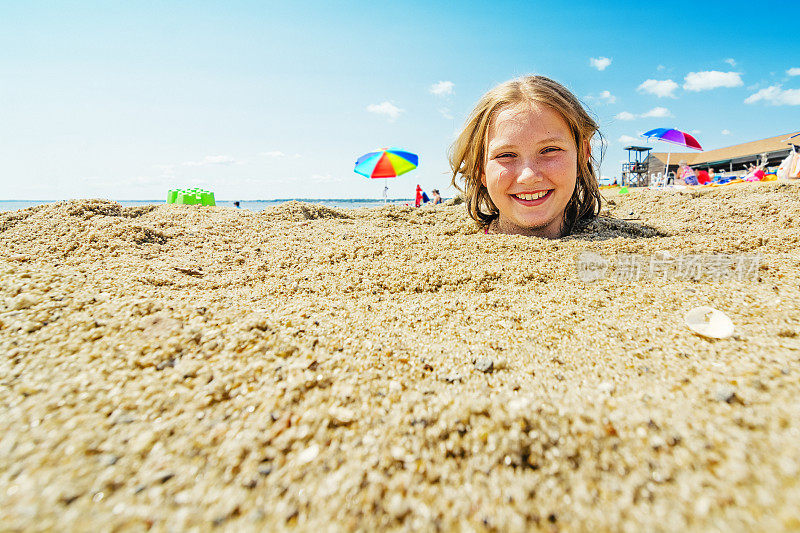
607, 97
212, 160
774, 95
445, 112
657, 112
711, 79
726, 132
660, 68
695, 132
385, 108
442, 88
793, 71
660, 88
731, 61
627, 139
600, 63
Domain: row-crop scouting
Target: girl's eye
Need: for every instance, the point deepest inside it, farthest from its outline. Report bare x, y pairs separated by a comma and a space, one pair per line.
504, 155
551, 149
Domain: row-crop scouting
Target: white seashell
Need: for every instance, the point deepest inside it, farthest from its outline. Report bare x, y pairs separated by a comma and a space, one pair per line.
709, 322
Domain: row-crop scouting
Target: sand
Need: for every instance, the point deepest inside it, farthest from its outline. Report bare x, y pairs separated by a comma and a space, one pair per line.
180, 367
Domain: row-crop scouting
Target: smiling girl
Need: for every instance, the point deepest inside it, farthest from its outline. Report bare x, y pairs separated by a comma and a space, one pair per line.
525, 160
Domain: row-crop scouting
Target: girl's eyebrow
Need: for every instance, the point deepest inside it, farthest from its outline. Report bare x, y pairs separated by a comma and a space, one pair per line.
555, 138
502, 146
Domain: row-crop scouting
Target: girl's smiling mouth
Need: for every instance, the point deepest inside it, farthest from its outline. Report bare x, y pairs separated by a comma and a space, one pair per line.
532, 198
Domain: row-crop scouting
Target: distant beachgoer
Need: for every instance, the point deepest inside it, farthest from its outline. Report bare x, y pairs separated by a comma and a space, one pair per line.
236, 204
711, 174
523, 160
756, 175
437, 199
686, 175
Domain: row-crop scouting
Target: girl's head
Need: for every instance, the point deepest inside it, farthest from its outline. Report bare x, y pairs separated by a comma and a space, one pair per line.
525, 159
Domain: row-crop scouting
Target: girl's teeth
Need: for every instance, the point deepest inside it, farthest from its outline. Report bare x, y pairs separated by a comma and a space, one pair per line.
534, 196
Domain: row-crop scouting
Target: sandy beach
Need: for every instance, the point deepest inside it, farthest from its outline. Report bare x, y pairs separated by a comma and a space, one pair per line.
174, 367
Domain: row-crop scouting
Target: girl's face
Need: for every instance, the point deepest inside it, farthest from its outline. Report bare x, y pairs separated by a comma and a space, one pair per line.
531, 170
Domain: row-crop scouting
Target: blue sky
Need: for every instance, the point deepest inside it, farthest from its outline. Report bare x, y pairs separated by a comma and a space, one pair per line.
262, 100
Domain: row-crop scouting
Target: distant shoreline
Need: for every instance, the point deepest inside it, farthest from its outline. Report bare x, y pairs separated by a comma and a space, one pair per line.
253, 205
161, 201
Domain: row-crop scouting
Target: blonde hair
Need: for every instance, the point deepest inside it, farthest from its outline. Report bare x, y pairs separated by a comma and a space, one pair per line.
468, 153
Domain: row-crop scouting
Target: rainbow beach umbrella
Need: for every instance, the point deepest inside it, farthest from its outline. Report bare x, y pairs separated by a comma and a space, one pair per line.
673, 136
386, 163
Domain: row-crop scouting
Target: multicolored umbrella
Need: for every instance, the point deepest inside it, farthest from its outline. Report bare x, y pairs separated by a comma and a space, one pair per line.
675, 137
386, 163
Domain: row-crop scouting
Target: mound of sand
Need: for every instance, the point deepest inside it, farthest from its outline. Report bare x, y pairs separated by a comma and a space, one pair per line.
179, 366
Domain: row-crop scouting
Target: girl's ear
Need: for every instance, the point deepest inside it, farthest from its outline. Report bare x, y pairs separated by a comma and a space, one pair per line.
483, 178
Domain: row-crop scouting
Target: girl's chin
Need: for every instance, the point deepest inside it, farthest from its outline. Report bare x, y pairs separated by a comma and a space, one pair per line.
523, 226
531, 220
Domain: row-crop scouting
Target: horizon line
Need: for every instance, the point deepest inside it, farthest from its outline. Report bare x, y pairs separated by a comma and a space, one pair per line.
258, 200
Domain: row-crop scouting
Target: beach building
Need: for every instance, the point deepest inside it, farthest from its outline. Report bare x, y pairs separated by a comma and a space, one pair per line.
729, 160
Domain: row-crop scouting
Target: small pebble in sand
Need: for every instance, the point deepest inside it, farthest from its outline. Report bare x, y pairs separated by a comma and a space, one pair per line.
727, 395
23, 301
484, 364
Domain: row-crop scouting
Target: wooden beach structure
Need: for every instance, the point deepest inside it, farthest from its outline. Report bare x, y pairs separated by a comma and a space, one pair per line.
729, 160
636, 171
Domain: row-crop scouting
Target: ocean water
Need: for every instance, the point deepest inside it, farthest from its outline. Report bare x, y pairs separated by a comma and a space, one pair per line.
252, 205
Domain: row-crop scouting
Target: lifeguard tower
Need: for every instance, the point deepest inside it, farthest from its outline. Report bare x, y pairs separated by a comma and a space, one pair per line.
634, 172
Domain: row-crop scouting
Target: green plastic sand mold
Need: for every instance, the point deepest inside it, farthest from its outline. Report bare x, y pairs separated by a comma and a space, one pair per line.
190, 197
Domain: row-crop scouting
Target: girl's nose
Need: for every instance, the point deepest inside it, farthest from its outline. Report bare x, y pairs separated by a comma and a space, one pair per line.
528, 173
